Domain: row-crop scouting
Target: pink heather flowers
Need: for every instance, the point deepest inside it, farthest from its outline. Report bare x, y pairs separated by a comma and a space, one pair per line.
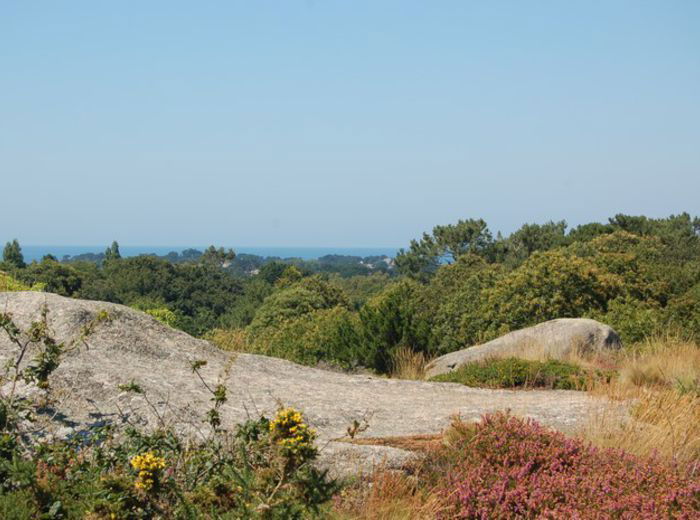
514, 468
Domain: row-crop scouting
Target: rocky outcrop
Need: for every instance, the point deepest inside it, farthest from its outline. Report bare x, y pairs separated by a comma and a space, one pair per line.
556, 339
132, 346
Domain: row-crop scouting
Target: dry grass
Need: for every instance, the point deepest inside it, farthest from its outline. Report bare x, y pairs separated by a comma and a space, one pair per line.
660, 380
230, 340
667, 361
388, 495
419, 443
663, 423
408, 364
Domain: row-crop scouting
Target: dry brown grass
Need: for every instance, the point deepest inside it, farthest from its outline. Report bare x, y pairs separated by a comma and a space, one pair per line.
659, 380
417, 443
664, 423
662, 361
536, 351
386, 495
230, 340
408, 364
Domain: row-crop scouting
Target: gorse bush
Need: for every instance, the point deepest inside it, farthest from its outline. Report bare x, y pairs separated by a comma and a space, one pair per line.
520, 373
325, 335
261, 469
8, 283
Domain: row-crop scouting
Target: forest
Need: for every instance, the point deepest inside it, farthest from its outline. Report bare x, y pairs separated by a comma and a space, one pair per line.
454, 287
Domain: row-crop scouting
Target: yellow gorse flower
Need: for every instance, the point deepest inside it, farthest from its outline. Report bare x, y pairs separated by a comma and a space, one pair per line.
291, 433
148, 465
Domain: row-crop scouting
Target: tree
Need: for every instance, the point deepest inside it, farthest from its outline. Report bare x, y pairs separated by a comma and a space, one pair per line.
12, 255
548, 285
217, 257
445, 245
537, 237
393, 319
306, 296
112, 252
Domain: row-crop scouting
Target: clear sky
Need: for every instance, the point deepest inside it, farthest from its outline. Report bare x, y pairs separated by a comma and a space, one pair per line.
341, 123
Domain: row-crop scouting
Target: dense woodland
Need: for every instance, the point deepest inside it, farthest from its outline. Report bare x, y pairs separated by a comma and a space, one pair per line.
452, 288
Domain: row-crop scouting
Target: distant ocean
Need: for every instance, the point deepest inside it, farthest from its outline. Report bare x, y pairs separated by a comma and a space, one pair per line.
36, 252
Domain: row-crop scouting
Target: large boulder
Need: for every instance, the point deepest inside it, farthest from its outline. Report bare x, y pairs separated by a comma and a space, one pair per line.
132, 346
555, 339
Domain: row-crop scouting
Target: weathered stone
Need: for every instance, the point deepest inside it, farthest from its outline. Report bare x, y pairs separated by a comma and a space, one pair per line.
555, 339
132, 346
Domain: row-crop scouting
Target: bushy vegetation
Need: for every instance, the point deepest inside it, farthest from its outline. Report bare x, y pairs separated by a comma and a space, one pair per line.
261, 469
506, 467
510, 468
459, 286
520, 373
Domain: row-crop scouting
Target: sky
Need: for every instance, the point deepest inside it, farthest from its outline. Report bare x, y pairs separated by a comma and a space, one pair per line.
341, 123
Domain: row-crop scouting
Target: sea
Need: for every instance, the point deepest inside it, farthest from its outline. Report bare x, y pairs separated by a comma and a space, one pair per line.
36, 252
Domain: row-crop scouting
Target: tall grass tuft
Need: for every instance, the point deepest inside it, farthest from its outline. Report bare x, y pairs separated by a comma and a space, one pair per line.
406, 363
659, 383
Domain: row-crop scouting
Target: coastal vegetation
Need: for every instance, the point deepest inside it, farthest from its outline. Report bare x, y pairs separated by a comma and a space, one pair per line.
453, 288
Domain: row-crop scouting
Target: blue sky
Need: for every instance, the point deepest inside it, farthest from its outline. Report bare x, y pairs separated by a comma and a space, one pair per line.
341, 123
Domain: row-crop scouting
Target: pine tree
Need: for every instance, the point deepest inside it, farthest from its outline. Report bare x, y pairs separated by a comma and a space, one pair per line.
112, 252
12, 254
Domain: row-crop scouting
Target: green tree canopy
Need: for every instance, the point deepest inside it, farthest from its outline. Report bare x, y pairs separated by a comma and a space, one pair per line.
12, 255
112, 252
445, 245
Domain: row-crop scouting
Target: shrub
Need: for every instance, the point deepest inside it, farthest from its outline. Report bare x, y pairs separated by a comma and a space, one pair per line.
10, 284
518, 373
328, 335
262, 469
306, 296
454, 296
506, 467
165, 316
392, 319
548, 285
633, 320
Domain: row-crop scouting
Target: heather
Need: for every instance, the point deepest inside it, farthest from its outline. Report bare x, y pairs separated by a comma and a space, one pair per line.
508, 467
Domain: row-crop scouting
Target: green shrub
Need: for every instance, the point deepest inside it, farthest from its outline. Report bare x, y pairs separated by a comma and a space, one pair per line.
549, 285
261, 469
306, 296
165, 316
454, 295
518, 373
684, 311
10, 284
392, 319
326, 335
634, 320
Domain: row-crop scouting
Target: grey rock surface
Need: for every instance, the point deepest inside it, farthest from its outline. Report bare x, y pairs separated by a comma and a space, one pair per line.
555, 339
132, 346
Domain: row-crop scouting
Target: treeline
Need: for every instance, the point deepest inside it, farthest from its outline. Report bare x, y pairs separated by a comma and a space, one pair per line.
457, 286
244, 264
195, 291
460, 286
